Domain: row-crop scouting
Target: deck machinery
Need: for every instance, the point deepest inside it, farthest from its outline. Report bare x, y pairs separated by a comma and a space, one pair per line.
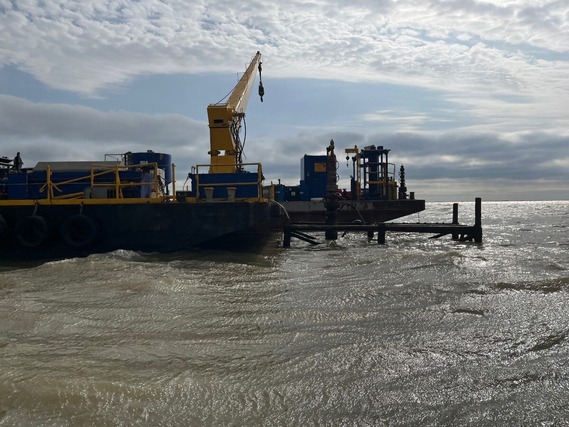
373, 177
374, 193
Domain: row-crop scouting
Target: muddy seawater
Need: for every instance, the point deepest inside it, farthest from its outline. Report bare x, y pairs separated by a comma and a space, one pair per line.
416, 332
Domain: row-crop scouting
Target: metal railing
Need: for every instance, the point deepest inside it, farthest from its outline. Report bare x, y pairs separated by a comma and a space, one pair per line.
114, 183
385, 179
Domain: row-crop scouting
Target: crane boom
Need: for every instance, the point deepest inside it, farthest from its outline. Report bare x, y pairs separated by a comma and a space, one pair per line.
225, 120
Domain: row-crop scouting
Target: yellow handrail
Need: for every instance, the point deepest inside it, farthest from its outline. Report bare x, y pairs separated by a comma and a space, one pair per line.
96, 171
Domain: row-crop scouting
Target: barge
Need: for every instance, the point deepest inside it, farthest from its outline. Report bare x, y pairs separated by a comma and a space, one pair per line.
62, 209
129, 200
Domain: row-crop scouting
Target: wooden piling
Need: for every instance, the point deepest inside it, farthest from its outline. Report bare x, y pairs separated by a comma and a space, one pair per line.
381, 234
287, 237
477, 232
455, 219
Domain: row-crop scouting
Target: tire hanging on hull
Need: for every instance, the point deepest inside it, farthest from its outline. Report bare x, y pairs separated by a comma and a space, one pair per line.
32, 230
79, 231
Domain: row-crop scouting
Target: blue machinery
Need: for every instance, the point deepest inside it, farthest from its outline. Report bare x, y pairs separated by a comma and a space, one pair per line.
145, 175
373, 177
126, 176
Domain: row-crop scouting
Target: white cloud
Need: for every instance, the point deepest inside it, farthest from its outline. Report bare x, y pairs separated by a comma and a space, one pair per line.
66, 132
498, 69
84, 46
494, 49
62, 132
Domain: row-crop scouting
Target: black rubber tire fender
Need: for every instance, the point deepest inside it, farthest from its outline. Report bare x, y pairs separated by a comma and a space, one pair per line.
79, 231
32, 230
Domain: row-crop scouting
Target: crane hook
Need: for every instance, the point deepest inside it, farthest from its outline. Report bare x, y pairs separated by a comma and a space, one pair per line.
261, 90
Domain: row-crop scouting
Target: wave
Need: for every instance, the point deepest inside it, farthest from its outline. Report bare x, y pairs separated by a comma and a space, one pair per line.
544, 286
119, 255
549, 341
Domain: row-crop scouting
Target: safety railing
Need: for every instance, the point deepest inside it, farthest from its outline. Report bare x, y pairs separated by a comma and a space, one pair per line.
385, 179
150, 184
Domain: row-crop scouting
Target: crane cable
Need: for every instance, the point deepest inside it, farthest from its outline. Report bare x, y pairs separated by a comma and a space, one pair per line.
261, 94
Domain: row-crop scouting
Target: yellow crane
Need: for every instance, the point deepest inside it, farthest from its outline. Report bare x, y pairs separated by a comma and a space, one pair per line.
225, 119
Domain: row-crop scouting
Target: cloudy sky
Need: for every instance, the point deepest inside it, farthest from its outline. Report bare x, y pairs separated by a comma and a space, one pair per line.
471, 96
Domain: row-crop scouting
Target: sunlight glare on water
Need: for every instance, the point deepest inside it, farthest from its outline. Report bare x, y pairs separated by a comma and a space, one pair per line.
415, 332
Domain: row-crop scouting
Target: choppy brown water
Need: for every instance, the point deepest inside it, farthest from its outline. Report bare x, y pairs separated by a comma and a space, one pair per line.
416, 332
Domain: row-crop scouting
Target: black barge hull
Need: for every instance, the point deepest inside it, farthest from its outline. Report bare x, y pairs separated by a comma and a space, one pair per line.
60, 231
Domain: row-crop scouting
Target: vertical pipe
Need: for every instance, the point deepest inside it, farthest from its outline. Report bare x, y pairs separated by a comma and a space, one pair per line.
49, 184
455, 213
455, 219
117, 181
155, 184
197, 189
287, 235
478, 212
331, 202
478, 220
387, 193
174, 180
92, 183
381, 234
